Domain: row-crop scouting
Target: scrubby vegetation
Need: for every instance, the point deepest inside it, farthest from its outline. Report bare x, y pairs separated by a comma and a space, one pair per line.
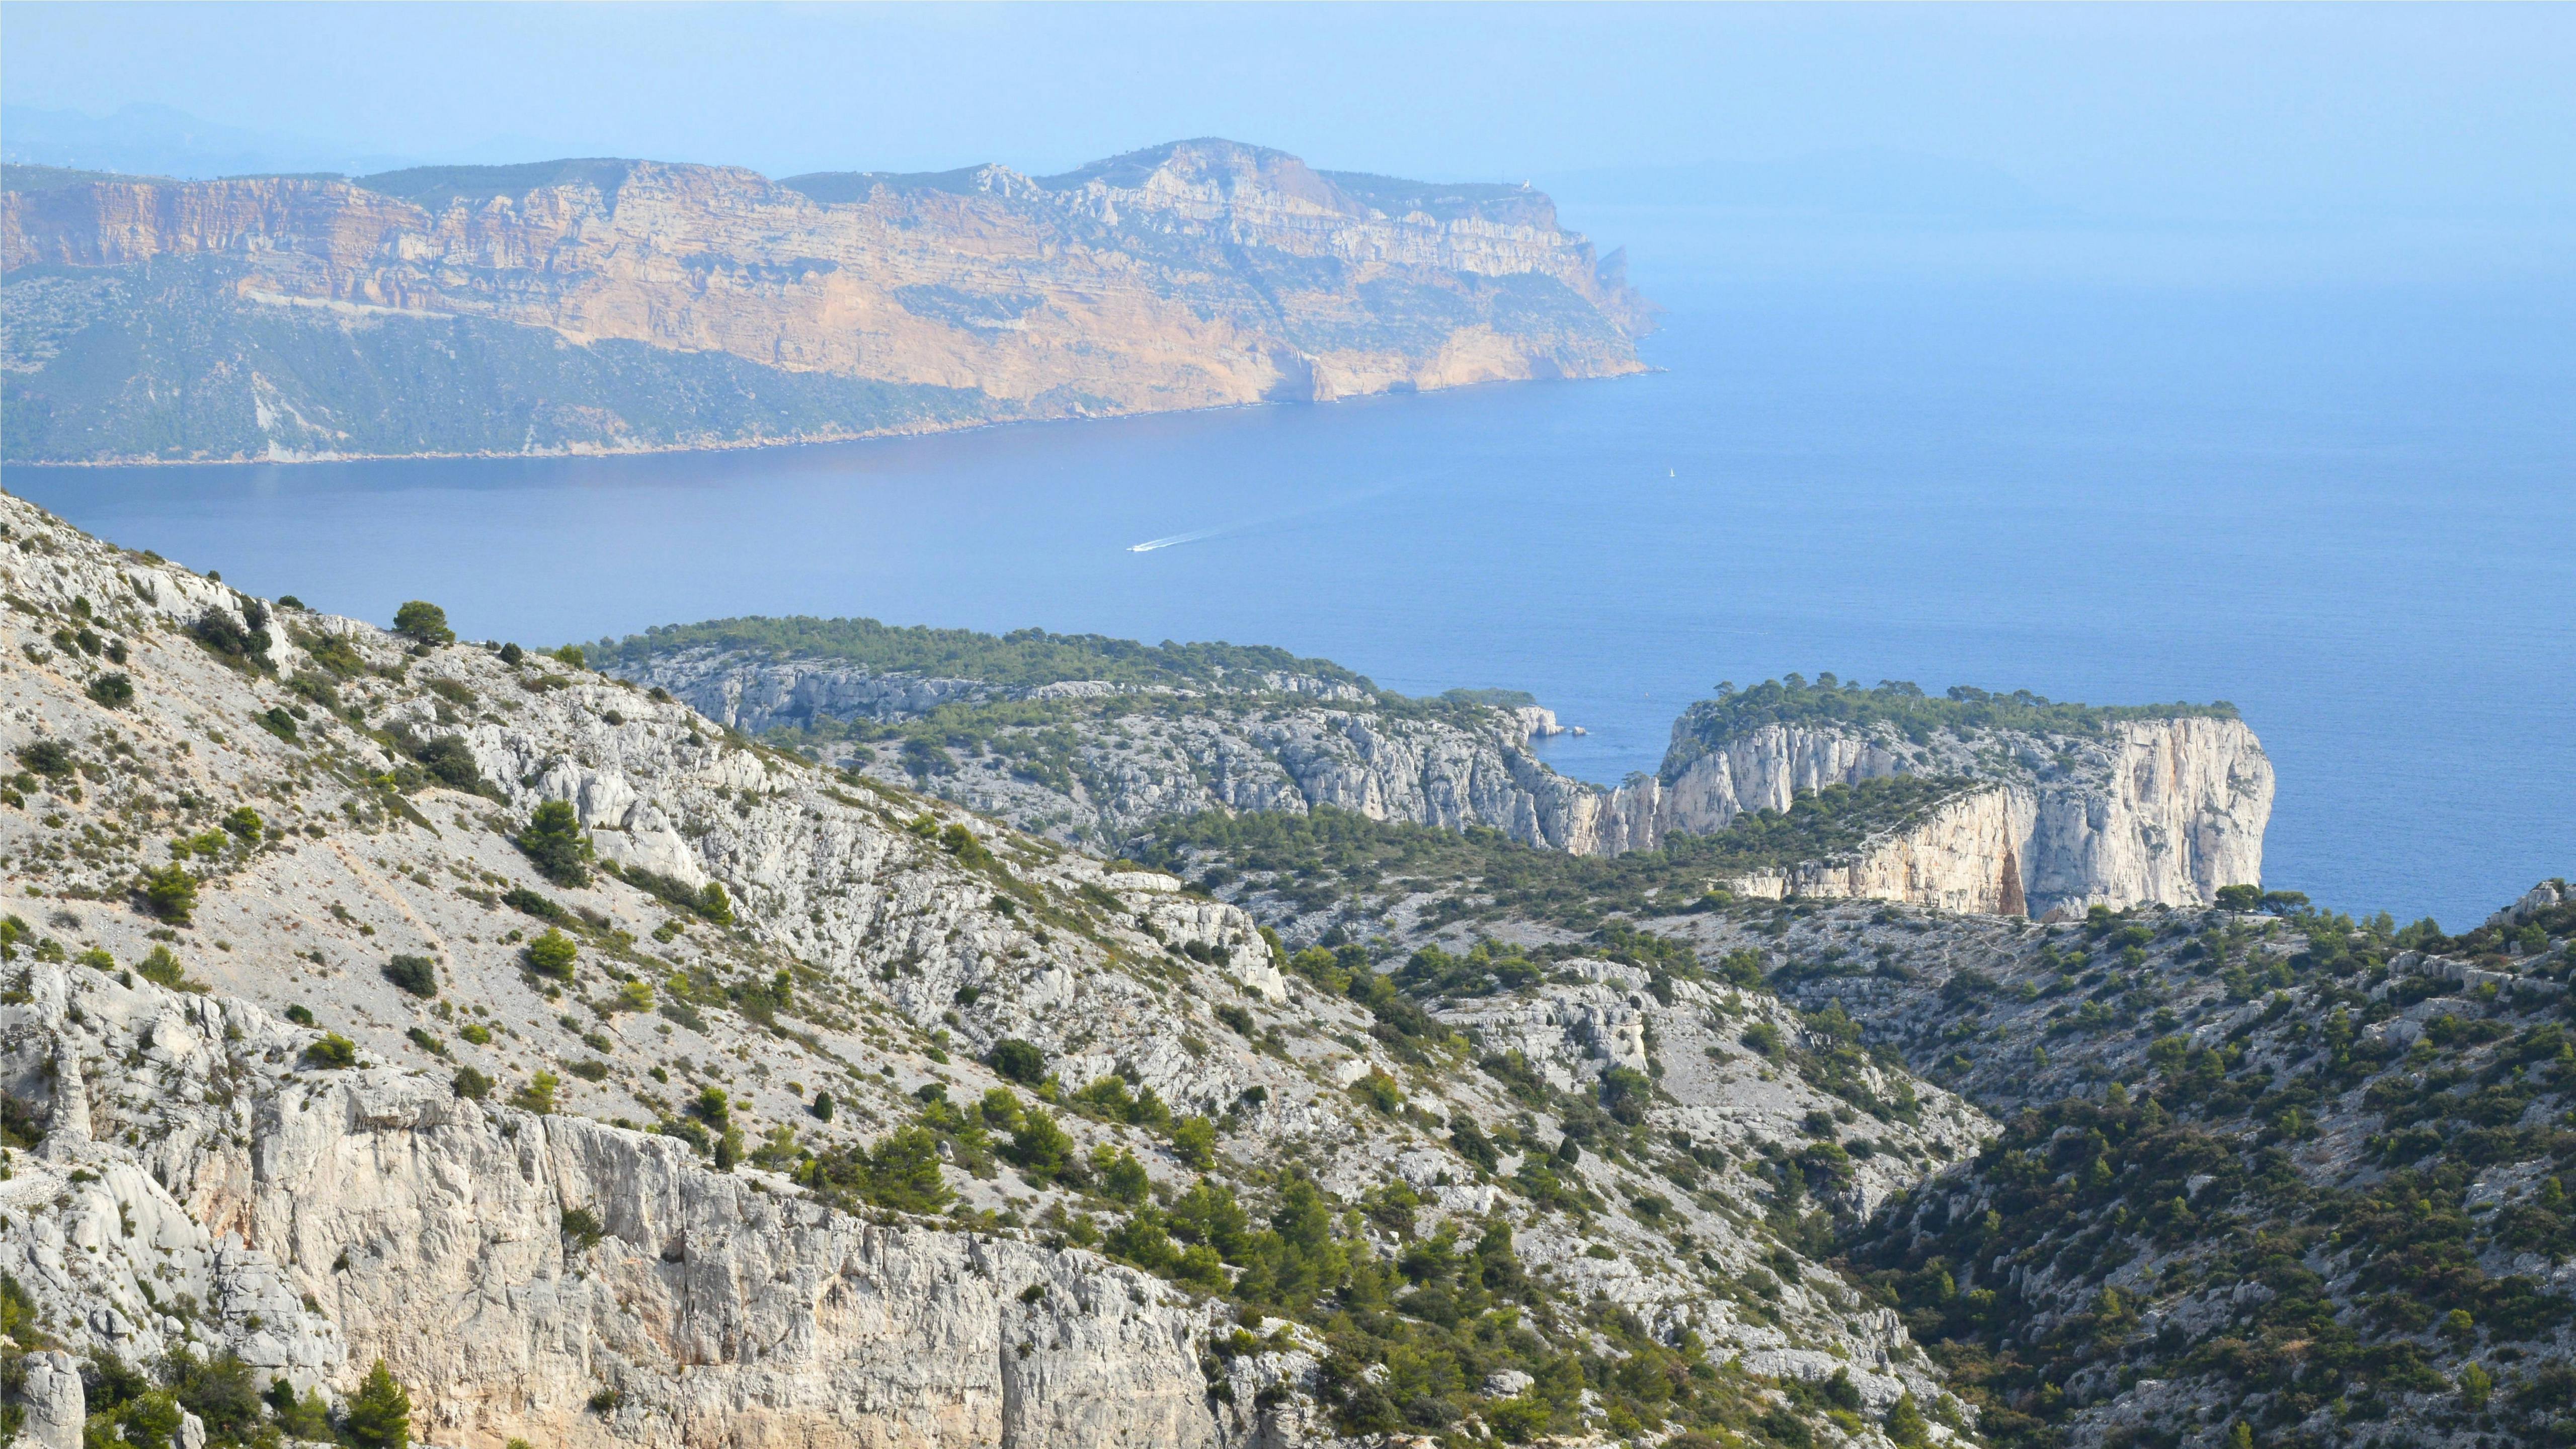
1902, 706
1018, 659
2345, 1201
1318, 859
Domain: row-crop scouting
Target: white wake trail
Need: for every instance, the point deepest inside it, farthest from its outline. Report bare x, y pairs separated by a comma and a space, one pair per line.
1151, 544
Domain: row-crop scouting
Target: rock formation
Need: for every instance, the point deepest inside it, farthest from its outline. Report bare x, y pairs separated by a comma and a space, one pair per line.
2088, 807
290, 1220
2125, 810
606, 305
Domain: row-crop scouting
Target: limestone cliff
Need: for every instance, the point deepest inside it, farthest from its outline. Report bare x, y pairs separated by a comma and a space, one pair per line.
2109, 811
2077, 807
297, 1222
590, 305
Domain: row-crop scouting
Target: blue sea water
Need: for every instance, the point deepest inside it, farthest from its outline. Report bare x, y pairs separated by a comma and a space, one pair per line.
2331, 481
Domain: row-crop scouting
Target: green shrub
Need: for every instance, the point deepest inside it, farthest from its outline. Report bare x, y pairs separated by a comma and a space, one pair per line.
538, 1095
306, 1417
450, 761
551, 954
1020, 1061
220, 1391
1905, 1426
1194, 1142
423, 622
584, 1228
170, 892
708, 901
415, 974
49, 758
556, 844
379, 1414
229, 638
331, 652
1379, 1091
1121, 1177
115, 691
161, 968
520, 898
960, 842
150, 1421
1039, 1147
333, 1052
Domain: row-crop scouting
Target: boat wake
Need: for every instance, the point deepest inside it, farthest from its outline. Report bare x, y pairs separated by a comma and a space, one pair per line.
1151, 544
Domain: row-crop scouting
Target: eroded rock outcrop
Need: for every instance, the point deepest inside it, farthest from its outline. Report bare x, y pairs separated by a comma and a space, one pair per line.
315, 1224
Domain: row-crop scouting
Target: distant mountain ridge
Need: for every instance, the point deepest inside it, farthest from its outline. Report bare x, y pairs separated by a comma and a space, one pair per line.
607, 304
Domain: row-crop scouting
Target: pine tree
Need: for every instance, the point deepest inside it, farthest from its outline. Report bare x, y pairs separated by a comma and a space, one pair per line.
379, 1417
1905, 1424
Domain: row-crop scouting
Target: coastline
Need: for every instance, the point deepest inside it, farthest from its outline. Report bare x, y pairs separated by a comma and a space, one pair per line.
914, 430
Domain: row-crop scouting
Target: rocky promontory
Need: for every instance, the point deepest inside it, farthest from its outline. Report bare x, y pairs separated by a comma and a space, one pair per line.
2052, 809
607, 305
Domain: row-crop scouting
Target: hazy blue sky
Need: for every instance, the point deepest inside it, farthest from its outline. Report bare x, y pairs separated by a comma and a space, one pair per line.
2179, 110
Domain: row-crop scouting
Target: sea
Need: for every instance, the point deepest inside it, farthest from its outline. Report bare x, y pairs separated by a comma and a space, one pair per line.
2323, 469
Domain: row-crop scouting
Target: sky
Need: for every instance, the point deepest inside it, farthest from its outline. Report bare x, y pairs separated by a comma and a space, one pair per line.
2185, 112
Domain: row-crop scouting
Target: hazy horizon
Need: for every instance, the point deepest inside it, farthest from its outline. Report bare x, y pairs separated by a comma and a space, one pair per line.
2188, 114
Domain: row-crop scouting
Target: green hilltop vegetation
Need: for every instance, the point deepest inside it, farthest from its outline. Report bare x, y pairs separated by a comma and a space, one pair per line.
1904, 705
17, 177
434, 187
1023, 658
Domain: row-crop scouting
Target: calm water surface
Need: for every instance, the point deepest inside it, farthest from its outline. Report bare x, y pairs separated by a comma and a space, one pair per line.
2343, 503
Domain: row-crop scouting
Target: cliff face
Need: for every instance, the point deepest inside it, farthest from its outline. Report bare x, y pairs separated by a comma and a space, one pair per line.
2163, 809
376, 1213
1198, 274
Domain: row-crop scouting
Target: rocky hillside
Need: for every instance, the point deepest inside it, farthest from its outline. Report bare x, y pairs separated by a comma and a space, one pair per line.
2282, 1178
603, 305
608, 1077
2047, 809
2267, 1175
412, 1039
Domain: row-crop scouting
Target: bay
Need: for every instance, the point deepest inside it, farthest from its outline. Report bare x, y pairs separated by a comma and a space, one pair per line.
2114, 468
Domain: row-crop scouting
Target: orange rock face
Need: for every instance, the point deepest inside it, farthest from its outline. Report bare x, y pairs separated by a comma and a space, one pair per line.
1194, 275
